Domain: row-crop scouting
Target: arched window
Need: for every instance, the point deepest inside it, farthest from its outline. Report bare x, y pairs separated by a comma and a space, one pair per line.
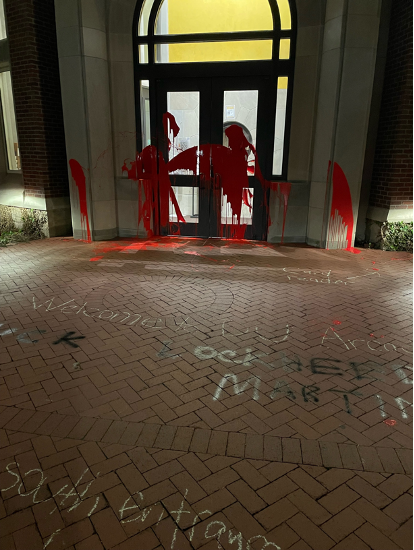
217, 38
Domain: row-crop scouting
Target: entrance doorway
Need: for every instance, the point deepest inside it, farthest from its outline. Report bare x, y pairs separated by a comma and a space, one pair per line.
204, 111
213, 100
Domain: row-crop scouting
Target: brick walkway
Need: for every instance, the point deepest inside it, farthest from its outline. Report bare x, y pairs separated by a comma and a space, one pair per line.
186, 394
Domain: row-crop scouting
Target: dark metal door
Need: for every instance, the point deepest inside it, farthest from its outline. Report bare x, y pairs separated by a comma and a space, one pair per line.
202, 117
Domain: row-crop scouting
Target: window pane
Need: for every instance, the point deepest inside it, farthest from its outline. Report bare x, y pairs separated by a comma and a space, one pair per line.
185, 107
240, 108
285, 15
145, 114
195, 16
3, 33
143, 53
284, 51
9, 120
187, 198
241, 50
282, 88
143, 20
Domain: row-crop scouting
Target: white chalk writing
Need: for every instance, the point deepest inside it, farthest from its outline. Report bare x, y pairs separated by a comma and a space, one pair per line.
353, 344
72, 493
115, 317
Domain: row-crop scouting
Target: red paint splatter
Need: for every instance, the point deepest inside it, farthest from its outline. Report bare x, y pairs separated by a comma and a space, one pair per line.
169, 120
390, 422
96, 259
230, 168
150, 171
375, 269
337, 323
372, 334
341, 223
78, 176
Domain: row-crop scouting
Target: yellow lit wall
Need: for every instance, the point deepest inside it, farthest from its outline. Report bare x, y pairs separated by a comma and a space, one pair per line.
195, 16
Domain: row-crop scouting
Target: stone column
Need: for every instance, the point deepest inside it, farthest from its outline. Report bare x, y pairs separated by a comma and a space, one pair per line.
83, 61
348, 64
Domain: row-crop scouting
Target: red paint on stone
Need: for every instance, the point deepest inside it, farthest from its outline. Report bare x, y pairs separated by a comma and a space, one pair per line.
78, 176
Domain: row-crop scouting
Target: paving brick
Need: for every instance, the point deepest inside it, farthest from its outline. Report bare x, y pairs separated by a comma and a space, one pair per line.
91, 543
376, 517
236, 444
108, 528
184, 482
28, 538
220, 479
395, 485
246, 496
194, 466
311, 453
277, 490
310, 533
374, 538
400, 510
404, 535
342, 524
276, 514
338, 499
250, 475
366, 490
390, 461
307, 483
309, 507
243, 521
352, 543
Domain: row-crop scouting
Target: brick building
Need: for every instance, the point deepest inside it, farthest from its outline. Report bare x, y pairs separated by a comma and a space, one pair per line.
391, 196
92, 78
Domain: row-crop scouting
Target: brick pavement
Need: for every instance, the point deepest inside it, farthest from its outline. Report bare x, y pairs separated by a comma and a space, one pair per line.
204, 394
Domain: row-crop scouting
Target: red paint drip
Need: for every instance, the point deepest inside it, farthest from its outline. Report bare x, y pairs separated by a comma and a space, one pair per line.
342, 219
154, 190
78, 176
230, 168
174, 128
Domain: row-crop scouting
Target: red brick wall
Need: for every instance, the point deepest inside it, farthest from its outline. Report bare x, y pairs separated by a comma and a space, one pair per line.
37, 96
392, 177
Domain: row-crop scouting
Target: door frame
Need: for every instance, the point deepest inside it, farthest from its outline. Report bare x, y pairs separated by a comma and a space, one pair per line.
211, 108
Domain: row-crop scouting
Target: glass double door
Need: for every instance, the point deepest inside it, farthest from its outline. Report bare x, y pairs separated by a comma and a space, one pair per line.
212, 136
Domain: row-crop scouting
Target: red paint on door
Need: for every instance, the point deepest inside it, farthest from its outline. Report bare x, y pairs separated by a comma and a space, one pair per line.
228, 164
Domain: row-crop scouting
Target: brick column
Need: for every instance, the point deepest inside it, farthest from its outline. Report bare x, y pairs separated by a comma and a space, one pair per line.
391, 188
36, 87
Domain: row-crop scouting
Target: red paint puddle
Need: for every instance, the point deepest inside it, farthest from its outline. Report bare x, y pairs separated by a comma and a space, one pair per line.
78, 176
353, 250
390, 422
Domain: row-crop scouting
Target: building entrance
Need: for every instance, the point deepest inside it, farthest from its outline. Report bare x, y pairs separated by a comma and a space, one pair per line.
213, 101
211, 156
